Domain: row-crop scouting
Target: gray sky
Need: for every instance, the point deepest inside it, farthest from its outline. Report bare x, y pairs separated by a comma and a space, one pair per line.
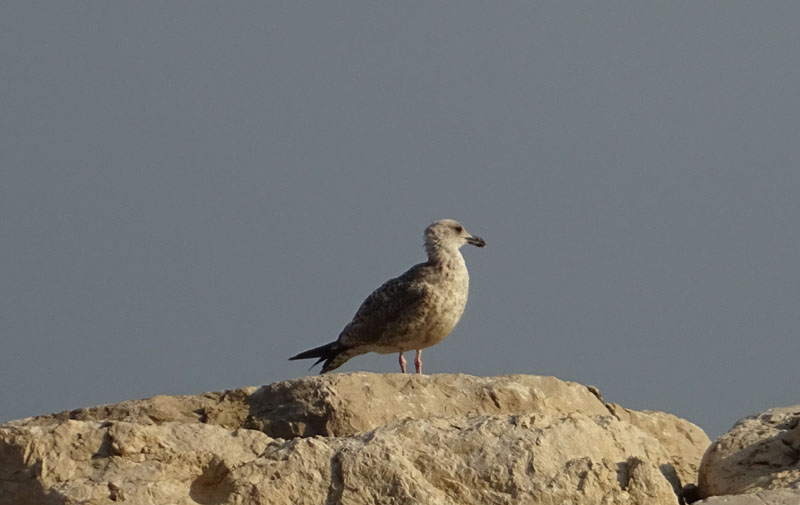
191, 192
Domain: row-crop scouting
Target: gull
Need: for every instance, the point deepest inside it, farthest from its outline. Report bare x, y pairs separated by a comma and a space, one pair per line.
416, 310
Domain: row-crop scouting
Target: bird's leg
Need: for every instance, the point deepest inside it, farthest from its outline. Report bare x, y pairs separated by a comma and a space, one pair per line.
402, 361
418, 361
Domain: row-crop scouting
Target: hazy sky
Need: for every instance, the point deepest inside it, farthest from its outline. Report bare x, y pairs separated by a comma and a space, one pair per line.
192, 192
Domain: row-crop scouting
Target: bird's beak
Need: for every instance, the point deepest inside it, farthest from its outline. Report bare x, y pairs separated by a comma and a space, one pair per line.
476, 241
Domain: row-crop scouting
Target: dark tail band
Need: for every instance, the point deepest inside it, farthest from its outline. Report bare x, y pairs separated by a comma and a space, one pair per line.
325, 353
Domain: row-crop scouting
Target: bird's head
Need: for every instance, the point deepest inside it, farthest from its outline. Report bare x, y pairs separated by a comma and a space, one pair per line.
449, 235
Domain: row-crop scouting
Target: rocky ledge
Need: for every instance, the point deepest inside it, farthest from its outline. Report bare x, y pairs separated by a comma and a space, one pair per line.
757, 462
357, 438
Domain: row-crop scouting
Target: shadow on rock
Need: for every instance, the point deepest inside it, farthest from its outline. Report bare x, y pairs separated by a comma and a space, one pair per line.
19, 479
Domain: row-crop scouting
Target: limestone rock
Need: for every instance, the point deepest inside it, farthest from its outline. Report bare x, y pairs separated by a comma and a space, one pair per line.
771, 497
228, 409
346, 404
356, 438
680, 438
482, 459
760, 452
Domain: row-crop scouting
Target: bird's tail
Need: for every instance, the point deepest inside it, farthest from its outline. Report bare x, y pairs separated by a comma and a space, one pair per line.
333, 354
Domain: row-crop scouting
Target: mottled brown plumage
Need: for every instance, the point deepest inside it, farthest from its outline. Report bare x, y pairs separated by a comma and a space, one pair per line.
415, 310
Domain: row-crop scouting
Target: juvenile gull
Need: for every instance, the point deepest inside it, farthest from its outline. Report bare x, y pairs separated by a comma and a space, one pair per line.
415, 310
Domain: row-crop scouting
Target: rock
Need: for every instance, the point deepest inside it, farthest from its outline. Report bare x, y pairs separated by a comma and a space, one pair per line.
760, 452
228, 409
680, 438
771, 497
356, 438
480, 459
94, 461
346, 404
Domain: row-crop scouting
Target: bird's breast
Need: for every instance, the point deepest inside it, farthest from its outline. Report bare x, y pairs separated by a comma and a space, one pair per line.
448, 298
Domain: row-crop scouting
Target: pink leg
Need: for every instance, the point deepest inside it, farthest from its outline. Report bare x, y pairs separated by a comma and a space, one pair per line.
418, 361
402, 361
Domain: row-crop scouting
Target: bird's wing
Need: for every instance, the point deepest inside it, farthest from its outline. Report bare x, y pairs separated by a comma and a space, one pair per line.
387, 304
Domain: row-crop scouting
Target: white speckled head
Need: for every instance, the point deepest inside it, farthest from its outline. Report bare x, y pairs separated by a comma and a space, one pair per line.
448, 235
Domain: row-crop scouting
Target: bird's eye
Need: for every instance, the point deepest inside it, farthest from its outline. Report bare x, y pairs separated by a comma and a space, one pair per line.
459, 229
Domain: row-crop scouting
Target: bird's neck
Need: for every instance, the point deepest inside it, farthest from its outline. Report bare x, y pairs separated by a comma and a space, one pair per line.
446, 257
